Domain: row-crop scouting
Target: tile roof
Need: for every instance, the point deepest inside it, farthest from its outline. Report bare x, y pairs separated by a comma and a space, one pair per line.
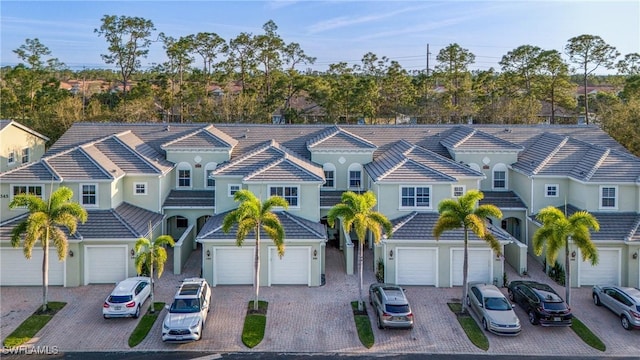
274, 162
296, 228
190, 199
125, 222
614, 226
77, 164
469, 139
541, 143
328, 198
38, 171
336, 138
419, 226
205, 138
407, 162
503, 200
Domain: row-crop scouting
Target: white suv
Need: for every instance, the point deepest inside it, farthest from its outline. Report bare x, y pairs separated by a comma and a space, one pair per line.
188, 312
127, 298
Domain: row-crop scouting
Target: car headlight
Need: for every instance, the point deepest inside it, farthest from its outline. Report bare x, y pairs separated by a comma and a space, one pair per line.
165, 326
195, 326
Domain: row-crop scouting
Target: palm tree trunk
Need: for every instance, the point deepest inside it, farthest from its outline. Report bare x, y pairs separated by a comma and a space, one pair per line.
465, 271
256, 279
360, 264
567, 273
153, 306
45, 273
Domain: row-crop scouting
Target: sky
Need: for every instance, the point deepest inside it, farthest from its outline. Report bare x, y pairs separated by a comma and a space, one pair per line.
332, 31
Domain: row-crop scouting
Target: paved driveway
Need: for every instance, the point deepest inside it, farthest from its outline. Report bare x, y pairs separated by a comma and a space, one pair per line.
303, 319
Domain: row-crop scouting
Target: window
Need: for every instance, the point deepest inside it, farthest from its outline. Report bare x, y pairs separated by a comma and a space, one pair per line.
458, 190
355, 179
184, 178
26, 152
289, 193
89, 194
31, 189
551, 190
140, 188
182, 222
184, 175
329, 176
233, 188
608, 197
500, 176
11, 158
415, 197
209, 181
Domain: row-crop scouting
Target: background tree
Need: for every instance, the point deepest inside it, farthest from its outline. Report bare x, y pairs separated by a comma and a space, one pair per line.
128, 39
355, 211
630, 65
590, 52
152, 254
465, 213
554, 82
44, 224
555, 232
254, 215
521, 67
453, 67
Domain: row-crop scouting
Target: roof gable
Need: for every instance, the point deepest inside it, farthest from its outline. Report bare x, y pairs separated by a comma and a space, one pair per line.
464, 138
208, 138
336, 138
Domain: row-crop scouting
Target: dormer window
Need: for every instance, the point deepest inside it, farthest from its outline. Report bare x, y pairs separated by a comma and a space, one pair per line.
608, 197
329, 176
355, 176
500, 177
184, 175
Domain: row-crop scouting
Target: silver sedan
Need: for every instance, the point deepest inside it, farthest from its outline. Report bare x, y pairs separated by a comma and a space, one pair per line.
494, 310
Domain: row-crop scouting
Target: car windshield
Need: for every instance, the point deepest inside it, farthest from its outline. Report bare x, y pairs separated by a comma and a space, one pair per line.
115, 299
396, 309
185, 306
496, 303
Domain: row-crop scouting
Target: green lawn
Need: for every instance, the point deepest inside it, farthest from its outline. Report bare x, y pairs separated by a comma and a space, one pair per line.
34, 323
586, 335
145, 325
363, 325
254, 324
470, 327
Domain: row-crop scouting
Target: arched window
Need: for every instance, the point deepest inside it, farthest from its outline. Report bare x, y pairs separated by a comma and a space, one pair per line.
209, 182
329, 175
355, 176
500, 179
183, 177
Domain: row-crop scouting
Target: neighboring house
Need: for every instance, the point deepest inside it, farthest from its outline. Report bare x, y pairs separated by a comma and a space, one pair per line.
19, 145
180, 180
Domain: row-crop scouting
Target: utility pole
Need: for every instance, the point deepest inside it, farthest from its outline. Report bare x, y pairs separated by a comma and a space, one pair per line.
428, 54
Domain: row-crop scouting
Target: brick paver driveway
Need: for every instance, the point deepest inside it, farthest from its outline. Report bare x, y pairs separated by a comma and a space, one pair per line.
303, 319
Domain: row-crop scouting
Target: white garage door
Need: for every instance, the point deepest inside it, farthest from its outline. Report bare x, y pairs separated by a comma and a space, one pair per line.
105, 264
480, 266
233, 265
416, 266
15, 269
292, 269
607, 271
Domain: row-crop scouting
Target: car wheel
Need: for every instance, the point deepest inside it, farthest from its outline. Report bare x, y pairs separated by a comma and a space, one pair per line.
380, 325
468, 301
533, 319
105, 316
137, 314
596, 300
625, 323
511, 297
484, 324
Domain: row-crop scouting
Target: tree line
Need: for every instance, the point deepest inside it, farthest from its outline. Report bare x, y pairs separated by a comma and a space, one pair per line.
252, 77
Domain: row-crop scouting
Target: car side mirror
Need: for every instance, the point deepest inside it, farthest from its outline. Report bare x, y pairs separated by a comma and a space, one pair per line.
513, 306
166, 307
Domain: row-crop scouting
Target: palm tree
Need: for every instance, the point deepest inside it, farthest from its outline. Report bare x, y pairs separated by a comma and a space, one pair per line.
43, 224
253, 215
355, 211
555, 232
465, 213
152, 253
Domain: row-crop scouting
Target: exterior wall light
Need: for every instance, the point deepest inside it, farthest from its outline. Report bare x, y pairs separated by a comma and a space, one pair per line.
635, 255
573, 254
391, 253
70, 253
133, 253
208, 254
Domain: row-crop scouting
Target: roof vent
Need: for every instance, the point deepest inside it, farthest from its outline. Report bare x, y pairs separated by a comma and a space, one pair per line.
507, 130
167, 128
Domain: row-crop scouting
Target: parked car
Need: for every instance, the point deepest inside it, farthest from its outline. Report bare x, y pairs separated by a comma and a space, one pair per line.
188, 312
494, 310
391, 306
623, 301
543, 305
127, 298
